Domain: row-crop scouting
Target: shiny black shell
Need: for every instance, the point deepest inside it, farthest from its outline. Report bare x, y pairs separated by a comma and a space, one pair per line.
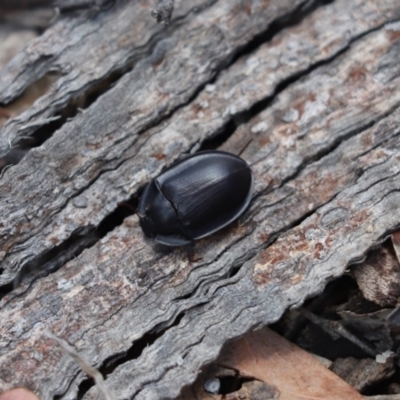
195, 197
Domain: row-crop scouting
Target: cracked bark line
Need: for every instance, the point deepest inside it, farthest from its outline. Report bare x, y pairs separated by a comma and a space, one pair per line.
122, 288
69, 196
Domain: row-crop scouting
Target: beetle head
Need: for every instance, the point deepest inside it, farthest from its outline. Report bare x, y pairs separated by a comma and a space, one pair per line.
157, 216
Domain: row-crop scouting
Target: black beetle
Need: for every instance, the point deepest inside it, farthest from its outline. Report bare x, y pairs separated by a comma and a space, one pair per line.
195, 197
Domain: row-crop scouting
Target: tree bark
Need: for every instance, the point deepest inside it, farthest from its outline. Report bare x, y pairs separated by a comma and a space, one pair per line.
307, 93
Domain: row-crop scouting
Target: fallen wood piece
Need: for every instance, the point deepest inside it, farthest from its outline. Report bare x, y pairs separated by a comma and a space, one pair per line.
325, 156
78, 283
109, 134
66, 184
265, 286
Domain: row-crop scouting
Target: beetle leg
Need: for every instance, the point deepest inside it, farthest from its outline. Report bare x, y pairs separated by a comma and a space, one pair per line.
190, 252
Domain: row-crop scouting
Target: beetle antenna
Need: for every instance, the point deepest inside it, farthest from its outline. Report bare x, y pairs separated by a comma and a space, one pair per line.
124, 204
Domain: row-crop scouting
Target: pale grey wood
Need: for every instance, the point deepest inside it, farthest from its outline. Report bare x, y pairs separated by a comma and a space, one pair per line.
83, 48
325, 155
95, 141
128, 35
109, 159
345, 224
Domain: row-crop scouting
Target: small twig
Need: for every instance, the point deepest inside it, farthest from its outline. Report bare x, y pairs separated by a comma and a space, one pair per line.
163, 11
335, 329
40, 122
85, 366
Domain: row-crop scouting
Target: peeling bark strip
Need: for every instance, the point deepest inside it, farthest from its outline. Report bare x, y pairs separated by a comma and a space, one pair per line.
190, 55
72, 47
325, 153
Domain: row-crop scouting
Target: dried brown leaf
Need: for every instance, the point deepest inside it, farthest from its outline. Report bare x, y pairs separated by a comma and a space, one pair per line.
268, 357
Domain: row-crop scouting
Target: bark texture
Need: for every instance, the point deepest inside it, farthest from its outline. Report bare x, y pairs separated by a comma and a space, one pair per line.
306, 92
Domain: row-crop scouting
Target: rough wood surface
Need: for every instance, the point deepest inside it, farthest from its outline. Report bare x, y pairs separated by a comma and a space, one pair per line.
316, 103
158, 84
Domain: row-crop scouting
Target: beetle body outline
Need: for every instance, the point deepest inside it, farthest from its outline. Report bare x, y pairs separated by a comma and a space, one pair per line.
195, 197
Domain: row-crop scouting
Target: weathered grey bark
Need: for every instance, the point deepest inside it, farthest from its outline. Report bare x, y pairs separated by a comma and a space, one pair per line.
163, 11
317, 102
